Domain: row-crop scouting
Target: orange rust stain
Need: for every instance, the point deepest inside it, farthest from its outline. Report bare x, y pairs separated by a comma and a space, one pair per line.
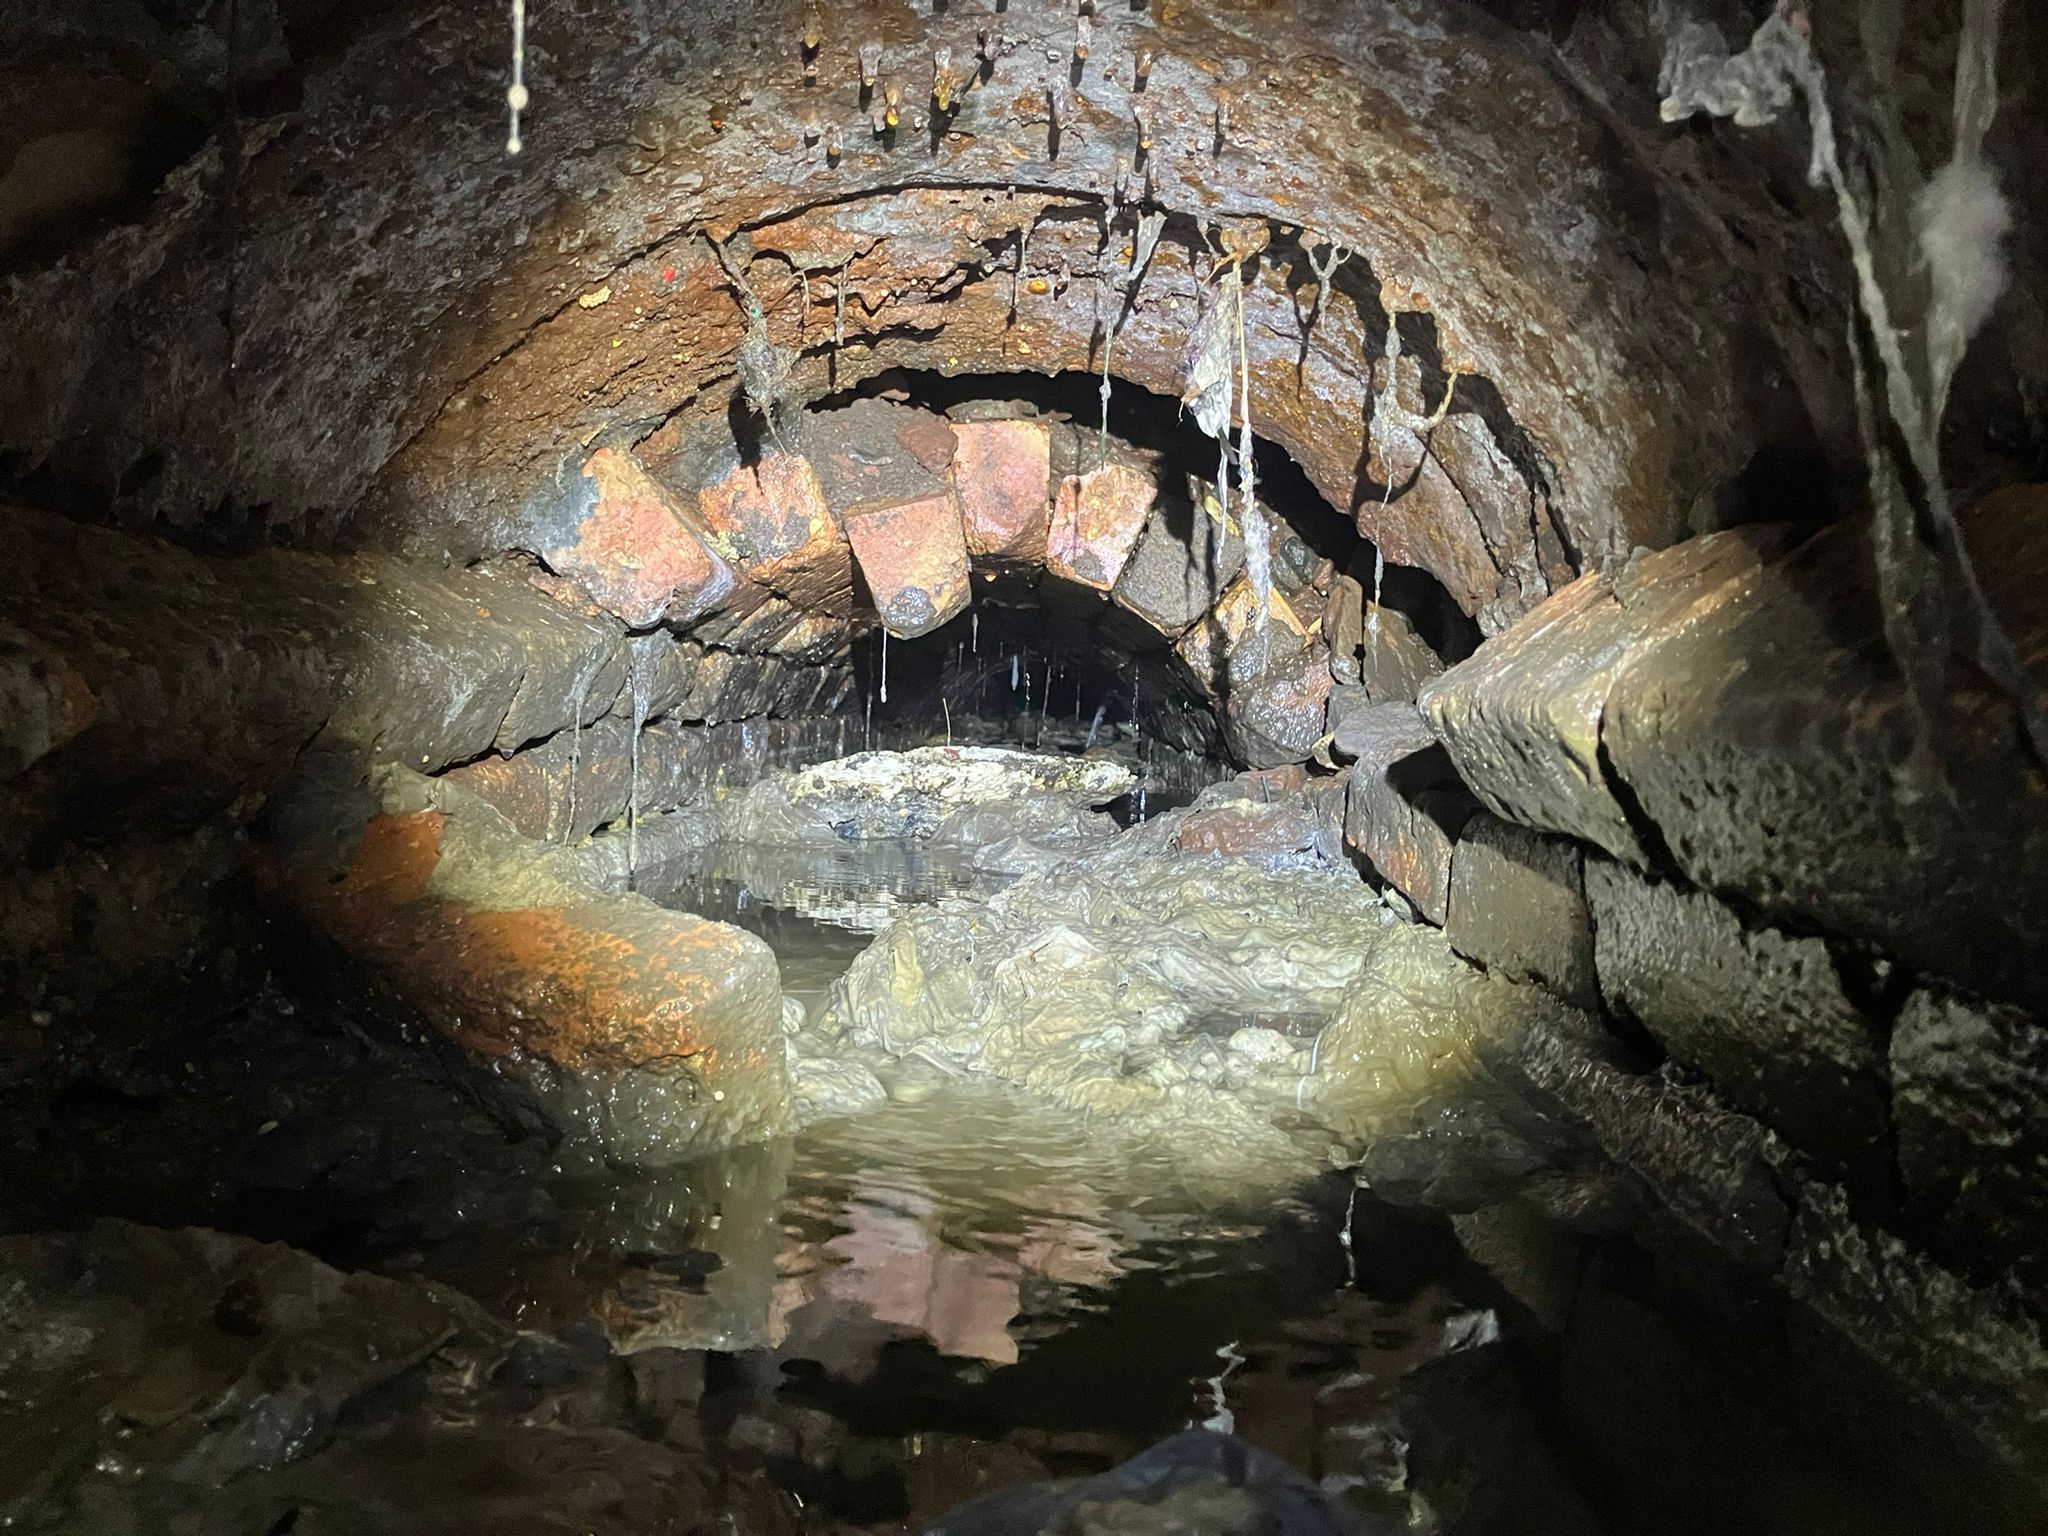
391, 867
590, 986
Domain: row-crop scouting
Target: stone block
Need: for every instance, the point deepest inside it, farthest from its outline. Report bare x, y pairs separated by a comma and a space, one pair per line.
1209, 649
1278, 716
1174, 577
1762, 1013
659, 1032
635, 548
1973, 1350
1518, 905
1096, 520
745, 686
738, 619
1001, 473
430, 672
563, 789
1510, 517
1773, 744
1355, 720
1970, 1111
573, 664
1406, 807
1714, 1169
814, 637
1375, 647
1523, 716
146, 684
708, 683
766, 628
913, 557
43, 700
770, 520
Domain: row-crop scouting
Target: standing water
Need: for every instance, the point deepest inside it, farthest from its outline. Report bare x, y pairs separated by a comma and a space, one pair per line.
961, 1289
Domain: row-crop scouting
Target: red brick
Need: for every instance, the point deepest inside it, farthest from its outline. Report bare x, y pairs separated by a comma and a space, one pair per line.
635, 550
772, 521
1000, 473
1096, 520
913, 555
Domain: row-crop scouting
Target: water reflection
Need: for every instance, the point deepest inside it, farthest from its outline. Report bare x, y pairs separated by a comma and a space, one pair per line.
969, 1220
858, 888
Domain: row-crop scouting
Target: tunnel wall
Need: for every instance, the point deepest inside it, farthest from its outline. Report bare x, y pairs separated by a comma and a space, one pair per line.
1692, 794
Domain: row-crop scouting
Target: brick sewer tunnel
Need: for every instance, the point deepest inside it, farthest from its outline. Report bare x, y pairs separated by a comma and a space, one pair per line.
1365, 445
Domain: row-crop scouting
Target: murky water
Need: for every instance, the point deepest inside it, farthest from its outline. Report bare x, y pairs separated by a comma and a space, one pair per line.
964, 1215
966, 1288
816, 907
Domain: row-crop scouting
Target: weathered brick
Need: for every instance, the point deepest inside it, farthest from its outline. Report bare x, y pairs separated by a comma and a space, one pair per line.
1174, 576
1374, 646
635, 549
913, 556
1406, 807
877, 450
1001, 473
1278, 716
771, 519
1096, 520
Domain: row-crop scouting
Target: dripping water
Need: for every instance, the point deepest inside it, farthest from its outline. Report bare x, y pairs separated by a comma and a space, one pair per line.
1144, 764
885, 666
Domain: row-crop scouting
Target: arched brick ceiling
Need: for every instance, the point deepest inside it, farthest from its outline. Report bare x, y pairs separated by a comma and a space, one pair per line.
380, 328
